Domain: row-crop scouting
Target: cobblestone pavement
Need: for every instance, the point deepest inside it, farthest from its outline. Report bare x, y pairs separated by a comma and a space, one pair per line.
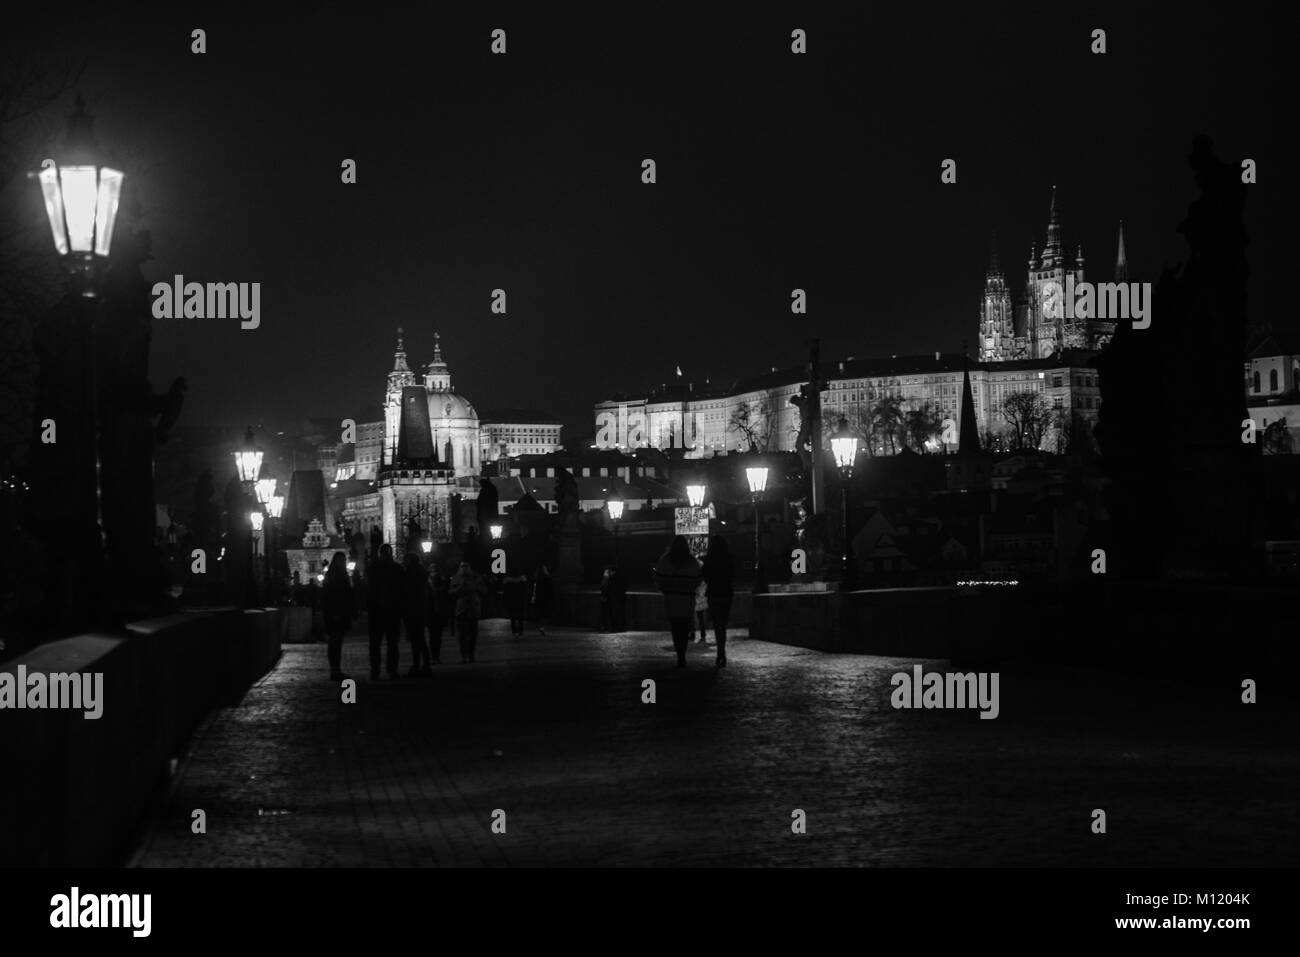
553, 731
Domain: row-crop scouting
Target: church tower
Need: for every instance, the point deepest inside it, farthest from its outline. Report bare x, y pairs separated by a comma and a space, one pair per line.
437, 377
1048, 330
997, 321
398, 379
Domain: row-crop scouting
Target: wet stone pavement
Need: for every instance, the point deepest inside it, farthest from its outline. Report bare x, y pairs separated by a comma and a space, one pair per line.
553, 732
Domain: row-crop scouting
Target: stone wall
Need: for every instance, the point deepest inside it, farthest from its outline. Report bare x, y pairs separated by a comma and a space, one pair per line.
75, 790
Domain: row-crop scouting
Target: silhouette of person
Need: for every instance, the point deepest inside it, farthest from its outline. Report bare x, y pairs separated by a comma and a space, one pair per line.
386, 584
415, 605
339, 606
677, 575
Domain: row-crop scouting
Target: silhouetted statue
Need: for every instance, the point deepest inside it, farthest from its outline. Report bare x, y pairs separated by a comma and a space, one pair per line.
1196, 338
566, 497
487, 508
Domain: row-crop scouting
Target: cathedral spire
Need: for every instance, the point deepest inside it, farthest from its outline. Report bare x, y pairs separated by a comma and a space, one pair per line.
399, 357
1121, 260
968, 436
993, 256
1052, 250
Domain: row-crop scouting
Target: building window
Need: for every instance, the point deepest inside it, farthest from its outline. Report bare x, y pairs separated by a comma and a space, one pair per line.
1255, 379
1272, 380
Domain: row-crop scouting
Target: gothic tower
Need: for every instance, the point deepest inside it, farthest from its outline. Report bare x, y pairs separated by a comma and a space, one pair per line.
997, 321
398, 379
1047, 328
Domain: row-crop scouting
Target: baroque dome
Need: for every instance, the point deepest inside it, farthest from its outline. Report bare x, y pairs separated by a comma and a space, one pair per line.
451, 409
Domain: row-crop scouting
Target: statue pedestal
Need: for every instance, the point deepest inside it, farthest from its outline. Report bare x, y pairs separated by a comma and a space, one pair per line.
568, 570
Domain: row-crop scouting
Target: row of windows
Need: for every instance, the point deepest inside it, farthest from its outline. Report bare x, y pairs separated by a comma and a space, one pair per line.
1272, 381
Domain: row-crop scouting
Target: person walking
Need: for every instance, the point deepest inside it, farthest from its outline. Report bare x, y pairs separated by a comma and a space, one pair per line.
677, 575
385, 610
515, 593
719, 580
543, 593
415, 605
606, 601
701, 608
340, 610
439, 611
467, 588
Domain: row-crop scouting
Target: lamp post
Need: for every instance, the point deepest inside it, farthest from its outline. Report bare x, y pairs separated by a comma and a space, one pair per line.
81, 201
248, 463
844, 446
615, 508
274, 509
756, 476
265, 489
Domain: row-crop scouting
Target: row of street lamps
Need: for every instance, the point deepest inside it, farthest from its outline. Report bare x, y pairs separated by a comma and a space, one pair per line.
844, 447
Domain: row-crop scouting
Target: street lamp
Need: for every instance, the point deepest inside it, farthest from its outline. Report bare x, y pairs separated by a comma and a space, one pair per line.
496, 531
81, 201
248, 459
695, 495
615, 508
248, 463
426, 546
756, 476
844, 446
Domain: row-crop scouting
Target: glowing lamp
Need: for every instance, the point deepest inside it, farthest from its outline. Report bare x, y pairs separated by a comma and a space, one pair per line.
695, 495
844, 445
757, 479
248, 458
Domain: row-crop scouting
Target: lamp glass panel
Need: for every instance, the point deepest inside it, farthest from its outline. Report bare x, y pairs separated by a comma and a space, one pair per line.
695, 495
265, 489
256, 519
110, 192
54, 208
276, 506
757, 478
845, 449
615, 510
249, 463
79, 199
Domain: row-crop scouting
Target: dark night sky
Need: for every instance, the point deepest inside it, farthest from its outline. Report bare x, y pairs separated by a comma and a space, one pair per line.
523, 172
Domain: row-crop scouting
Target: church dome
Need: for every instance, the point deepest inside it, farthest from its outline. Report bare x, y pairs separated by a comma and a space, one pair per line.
451, 409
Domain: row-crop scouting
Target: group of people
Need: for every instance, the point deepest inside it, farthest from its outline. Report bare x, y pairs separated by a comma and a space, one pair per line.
417, 599
680, 578
409, 597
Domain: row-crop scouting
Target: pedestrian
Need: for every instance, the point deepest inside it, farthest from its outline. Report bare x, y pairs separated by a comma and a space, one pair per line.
415, 605
677, 575
515, 592
467, 588
439, 612
340, 608
719, 579
606, 601
701, 608
543, 593
386, 582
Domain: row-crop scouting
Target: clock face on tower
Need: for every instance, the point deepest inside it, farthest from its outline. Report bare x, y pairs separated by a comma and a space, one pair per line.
1053, 300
